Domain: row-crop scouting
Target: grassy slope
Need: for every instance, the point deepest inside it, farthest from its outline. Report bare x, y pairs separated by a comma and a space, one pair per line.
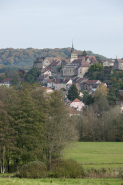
97, 153
15, 181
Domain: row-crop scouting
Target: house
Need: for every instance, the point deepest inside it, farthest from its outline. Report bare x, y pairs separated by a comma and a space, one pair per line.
62, 83
43, 79
77, 81
55, 66
118, 64
48, 90
50, 83
88, 84
89, 59
43, 62
46, 71
7, 81
77, 104
108, 63
73, 112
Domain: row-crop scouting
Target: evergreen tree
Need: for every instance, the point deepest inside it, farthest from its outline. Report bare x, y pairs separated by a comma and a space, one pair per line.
84, 53
73, 93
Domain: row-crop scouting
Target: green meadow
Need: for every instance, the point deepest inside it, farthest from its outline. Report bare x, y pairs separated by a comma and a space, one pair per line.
89, 154
96, 154
15, 181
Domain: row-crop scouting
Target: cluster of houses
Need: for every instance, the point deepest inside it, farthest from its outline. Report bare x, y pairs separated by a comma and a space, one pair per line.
115, 63
60, 74
57, 74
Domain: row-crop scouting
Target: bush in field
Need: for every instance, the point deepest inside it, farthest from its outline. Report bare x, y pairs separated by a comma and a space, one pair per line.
35, 169
66, 168
120, 170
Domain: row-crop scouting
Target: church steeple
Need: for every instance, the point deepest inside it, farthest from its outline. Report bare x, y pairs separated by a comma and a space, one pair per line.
72, 49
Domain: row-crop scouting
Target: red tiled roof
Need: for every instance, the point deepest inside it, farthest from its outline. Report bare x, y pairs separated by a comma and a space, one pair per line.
92, 58
81, 62
91, 81
76, 61
76, 100
120, 60
50, 80
54, 63
46, 69
7, 80
58, 81
85, 64
42, 77
65, 81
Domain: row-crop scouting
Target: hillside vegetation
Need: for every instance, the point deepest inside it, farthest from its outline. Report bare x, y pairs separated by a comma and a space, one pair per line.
24, 58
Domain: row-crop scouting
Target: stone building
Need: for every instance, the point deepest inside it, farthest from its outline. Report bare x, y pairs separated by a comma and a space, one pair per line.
43, 62
77, 67
118, 64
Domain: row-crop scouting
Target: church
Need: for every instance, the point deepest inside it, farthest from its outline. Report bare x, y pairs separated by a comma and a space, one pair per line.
76, 65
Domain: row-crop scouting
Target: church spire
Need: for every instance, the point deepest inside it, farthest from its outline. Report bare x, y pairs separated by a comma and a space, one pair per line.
72, 49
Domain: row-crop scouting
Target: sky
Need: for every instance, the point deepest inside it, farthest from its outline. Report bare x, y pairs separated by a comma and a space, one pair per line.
92, 25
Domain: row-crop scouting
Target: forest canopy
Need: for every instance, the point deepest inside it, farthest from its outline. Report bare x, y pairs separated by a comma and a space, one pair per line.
24, 58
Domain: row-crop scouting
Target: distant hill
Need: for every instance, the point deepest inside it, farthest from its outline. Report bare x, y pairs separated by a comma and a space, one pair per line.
24, 58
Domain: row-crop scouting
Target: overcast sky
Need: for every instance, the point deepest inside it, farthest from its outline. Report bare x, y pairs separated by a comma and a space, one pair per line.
95, 25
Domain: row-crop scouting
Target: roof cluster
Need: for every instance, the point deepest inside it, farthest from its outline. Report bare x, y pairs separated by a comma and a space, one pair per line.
58, 81
54, 63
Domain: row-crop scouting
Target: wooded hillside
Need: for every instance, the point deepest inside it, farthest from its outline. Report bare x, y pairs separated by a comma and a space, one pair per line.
24, 58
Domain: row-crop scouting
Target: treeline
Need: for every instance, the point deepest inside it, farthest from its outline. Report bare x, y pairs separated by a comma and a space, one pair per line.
33, 126
24, 58
100, 122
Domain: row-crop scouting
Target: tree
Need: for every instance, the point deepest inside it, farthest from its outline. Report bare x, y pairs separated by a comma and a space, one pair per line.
59, 129
32, 75
2, 77
101, 104
27, 118
6, 139
84, 53
87, 98
101, 90
15, 79
73, 93
21, 73
96, 67
112, 95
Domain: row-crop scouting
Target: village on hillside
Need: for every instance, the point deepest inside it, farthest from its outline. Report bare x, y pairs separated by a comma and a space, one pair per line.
59, 74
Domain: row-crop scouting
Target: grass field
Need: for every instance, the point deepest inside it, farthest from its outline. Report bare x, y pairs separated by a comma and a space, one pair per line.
15, 181
96, 154
90, 154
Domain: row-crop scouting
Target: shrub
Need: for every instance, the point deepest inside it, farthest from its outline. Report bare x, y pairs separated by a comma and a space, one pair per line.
35, 169
66, 168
